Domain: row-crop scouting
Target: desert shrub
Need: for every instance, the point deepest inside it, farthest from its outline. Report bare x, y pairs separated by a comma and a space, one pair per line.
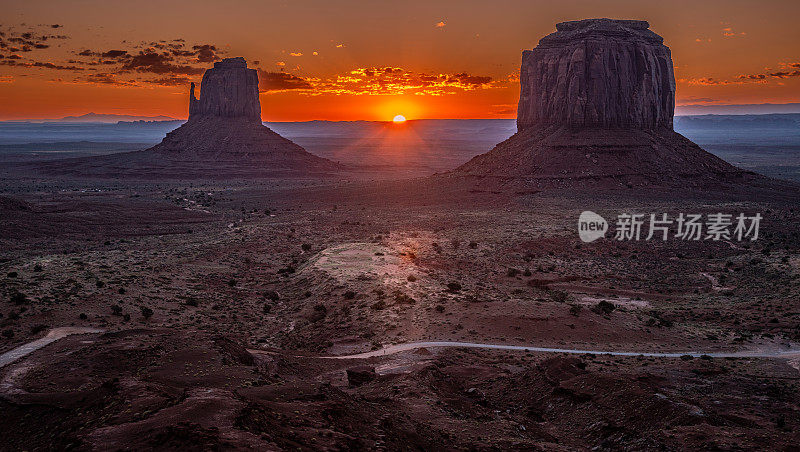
19, 298
512, 272
603, 307
231, 282
12, 274
559, 296
8, 334
37, 268
121, 291
318, 313
539, 283
267, 308
439, 308
380, 304
272, 295
349, 295
191, 301
657, 321
453, 287
146, 312
527, 272
401, 298
575, 309
83, 316
287, 269
473, 244
306, 247
455, 243
99, 284
36, 329
116, 309
412, 278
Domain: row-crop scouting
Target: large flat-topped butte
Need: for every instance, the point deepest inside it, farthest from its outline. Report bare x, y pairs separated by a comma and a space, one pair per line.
597, 99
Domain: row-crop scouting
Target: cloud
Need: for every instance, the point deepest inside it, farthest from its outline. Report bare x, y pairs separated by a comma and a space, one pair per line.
30, 40
172, 80
158, 63
702, 100
386, 80
280, 81
6, 79
161, 62
789, 70
785, 71
159, 55
707, 81
296, 54
503, 110
116, 54
206, 53
440, 24
107, 79
17, 61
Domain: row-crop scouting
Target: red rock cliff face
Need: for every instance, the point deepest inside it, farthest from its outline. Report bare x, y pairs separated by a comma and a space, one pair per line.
598, 73
229, 90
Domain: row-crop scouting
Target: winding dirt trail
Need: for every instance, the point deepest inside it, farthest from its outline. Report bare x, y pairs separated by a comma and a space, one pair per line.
52, 336
792, 354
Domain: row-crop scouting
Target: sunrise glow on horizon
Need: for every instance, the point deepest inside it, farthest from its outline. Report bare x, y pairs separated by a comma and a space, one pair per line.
337, 66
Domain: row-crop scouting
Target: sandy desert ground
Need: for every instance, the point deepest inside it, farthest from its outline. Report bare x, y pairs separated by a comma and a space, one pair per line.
216, 311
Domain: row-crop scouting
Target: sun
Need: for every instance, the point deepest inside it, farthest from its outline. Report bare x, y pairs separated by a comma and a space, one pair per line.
398, 119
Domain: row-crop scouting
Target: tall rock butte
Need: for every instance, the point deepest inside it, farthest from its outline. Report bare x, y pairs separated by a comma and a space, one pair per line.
230, 90
598, 72
597, 99
224, 135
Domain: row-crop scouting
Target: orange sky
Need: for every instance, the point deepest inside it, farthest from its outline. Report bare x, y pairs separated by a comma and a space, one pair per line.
347, 60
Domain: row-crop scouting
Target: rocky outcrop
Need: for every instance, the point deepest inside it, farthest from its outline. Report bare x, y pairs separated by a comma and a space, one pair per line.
595, 110
223, 138
598, 72
229, 90
224, 132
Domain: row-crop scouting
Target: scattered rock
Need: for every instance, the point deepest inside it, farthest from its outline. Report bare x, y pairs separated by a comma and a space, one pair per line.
359, 375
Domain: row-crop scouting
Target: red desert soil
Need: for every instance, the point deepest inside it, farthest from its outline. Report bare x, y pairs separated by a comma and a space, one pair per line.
186, 278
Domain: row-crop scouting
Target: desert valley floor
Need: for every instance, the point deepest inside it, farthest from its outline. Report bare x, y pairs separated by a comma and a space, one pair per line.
209, 315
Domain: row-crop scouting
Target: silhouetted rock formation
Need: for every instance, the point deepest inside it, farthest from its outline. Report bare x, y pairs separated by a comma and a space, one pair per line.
223, 138
225, 132
596, 106
598, 72
229, 90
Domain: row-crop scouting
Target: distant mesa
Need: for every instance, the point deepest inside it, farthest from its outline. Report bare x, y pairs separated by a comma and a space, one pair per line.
596, 106
111, 118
